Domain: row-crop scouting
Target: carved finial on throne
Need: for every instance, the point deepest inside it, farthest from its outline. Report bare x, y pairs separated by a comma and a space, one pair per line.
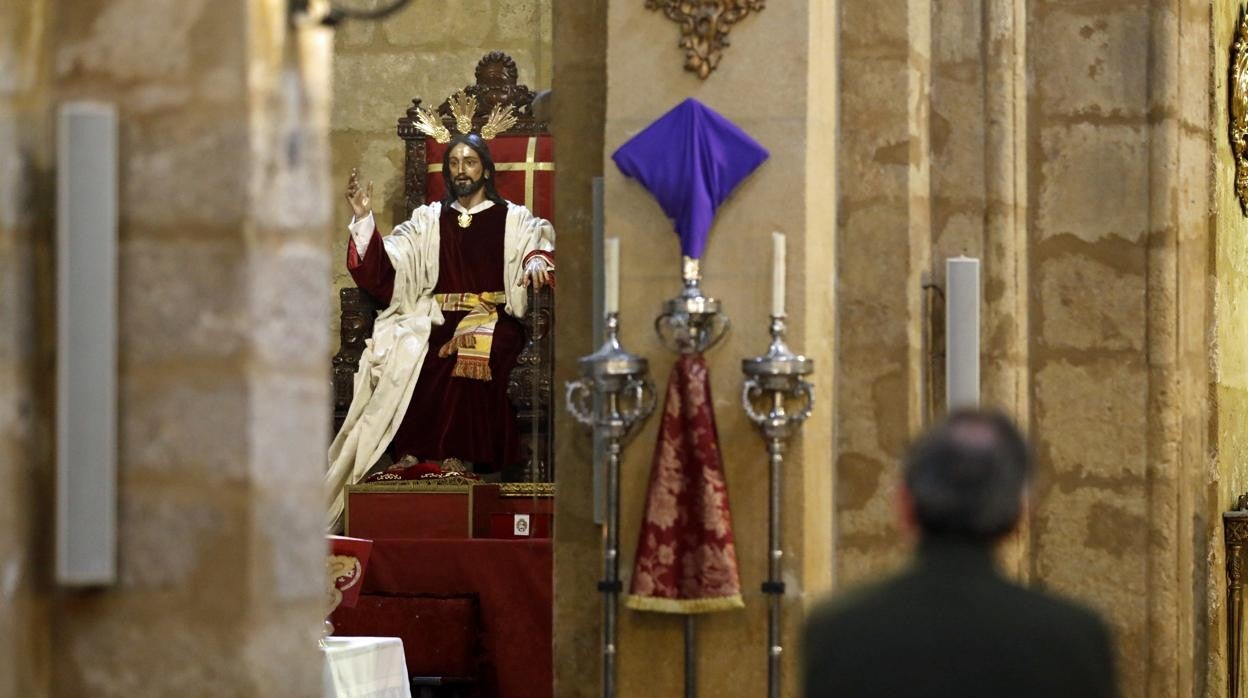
497, 87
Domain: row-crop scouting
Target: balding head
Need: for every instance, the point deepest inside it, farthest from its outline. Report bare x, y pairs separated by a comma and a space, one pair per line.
966, 476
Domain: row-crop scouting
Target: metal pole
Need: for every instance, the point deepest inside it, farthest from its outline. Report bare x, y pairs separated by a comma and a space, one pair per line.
611, 555
774, 587
1234, 611
691, 656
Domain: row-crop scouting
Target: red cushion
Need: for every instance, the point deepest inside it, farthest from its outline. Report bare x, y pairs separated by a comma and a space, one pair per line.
512, 158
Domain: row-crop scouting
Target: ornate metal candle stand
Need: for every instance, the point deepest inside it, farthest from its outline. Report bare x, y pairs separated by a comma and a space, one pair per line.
613, 395
691, 322
1235, 532
775, 380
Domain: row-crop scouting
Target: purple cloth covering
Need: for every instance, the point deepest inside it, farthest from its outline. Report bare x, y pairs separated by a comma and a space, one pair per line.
690, 159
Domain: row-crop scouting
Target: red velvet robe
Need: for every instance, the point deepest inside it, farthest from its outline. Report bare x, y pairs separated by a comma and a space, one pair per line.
452, 417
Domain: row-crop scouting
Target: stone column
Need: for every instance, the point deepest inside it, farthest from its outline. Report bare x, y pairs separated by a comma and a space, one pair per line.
1228, 365
776, 81
885, 250
579, 110
26, 358
1119, 159
979, 177
224, 400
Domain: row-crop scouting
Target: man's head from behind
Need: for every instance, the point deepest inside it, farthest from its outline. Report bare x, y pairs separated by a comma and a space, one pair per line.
966, 477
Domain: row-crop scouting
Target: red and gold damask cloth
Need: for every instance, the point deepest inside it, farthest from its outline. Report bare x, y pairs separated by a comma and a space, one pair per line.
525, 171
686, 559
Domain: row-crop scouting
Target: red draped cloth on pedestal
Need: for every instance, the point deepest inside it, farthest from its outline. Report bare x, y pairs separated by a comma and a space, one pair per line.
451, 416
686, 559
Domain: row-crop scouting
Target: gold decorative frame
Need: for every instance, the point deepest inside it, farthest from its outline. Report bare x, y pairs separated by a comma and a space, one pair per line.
1237, 111
1235, 533
704, 27
526, 489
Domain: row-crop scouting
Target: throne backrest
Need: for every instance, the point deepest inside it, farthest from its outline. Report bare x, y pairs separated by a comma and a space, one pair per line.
523, 155
527, 143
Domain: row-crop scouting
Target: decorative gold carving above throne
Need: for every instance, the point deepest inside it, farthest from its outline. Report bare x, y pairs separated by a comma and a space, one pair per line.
1238, 109
704, 27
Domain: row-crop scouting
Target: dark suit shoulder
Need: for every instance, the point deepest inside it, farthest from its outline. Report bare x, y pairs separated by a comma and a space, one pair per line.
969, 633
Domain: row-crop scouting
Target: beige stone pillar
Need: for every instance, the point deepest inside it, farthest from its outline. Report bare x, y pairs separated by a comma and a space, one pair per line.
579, 111
1119, 228
25, 355
224, 403
1227, 477
979, 179
776, 81
885, 250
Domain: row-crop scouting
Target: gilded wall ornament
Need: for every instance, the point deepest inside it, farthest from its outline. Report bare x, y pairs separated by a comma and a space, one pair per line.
1239, 109
704, 27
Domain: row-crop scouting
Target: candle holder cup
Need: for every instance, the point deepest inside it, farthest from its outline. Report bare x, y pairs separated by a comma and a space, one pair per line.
691, 322
777, 398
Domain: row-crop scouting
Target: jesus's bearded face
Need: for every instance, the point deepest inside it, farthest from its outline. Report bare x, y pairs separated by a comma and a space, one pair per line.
467, 171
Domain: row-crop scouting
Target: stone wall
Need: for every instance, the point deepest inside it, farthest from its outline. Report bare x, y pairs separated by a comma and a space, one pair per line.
26, 658
1229, 362
1118, 157
428, 50
1066, 145
223, 398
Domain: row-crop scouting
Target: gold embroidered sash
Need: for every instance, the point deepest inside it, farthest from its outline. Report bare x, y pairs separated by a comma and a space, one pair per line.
474, 334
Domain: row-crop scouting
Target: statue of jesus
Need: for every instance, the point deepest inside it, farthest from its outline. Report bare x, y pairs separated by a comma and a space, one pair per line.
432, 381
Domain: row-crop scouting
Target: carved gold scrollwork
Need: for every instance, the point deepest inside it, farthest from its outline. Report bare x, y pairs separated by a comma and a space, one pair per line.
344, 572
1239, 109
704, 27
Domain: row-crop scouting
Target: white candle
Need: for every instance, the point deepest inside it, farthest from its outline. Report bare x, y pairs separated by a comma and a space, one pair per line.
777, 274
962, 332
611, 267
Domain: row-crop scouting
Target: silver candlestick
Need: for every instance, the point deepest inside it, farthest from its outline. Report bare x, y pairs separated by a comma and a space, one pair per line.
691, 323
776, 380
613, 395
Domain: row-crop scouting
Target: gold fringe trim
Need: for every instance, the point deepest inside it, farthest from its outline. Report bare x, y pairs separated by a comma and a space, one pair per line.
473, 369
461, 341
660, 605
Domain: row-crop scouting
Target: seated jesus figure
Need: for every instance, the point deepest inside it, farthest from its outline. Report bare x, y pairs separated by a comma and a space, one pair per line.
454, 278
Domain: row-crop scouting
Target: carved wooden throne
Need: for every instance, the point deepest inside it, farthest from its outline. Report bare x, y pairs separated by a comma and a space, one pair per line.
523, 155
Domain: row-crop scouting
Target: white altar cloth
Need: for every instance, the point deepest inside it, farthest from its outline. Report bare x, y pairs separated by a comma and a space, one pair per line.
365, 667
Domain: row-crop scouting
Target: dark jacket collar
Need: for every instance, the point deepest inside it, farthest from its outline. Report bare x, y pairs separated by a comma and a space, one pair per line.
956, 555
